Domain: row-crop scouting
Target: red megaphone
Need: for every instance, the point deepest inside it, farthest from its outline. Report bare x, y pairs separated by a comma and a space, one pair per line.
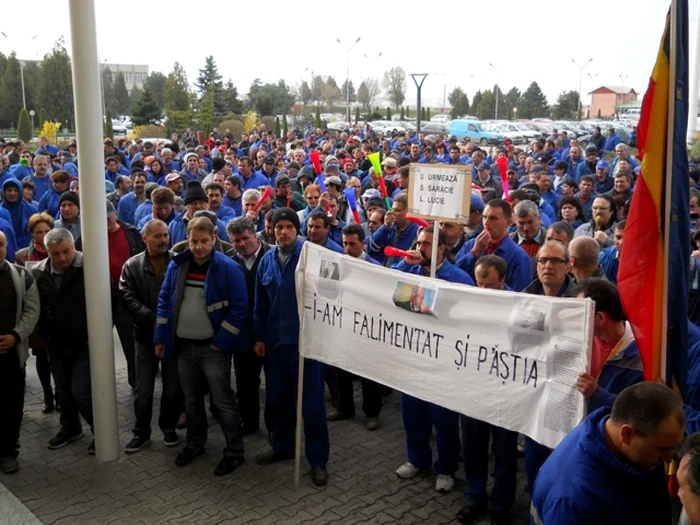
315, 157
268, 193
390, 251
417, 220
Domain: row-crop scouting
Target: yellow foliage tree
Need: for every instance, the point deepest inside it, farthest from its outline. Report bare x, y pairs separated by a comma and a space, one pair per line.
250, 120
50, 131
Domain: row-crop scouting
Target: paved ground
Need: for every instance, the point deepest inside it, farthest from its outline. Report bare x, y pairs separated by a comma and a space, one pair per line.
69, 487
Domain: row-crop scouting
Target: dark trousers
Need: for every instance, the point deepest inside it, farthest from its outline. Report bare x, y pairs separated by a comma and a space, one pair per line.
125, 330
330, 376
419, 417
535, 456
12, 379
371, 395
248, 366
43, 370
170, 399
475, 448
71, 372
192, 360
282, 392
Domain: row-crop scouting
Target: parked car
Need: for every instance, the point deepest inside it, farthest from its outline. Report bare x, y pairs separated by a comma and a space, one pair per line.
474, 131
386, 126
434, 127
442, 117
506, 130
622, 132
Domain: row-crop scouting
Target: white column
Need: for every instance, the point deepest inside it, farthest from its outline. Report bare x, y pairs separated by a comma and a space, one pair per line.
93, 219
694, 83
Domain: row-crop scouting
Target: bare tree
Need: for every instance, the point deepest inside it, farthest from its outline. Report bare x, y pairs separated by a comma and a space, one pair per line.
395, 85
368, 92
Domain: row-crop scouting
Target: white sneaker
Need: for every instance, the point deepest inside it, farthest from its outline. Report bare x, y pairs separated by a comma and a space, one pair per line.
444, 483
407, 470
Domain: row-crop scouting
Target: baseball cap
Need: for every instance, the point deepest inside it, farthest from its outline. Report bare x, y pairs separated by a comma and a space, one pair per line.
389, 162
601, 165
170, 177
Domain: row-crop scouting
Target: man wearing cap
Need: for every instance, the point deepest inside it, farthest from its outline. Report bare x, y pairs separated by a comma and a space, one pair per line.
69, 213
201, 321
285, 197
334, 186
603, 181
250, 180
192, 171
19, 211
588, 167
195, 199
492, 189
217, 164
276, 330
129, 202
176, 183
268, 169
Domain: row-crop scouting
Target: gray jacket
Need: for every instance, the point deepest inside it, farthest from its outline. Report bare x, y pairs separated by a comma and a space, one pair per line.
27, 308
588, 230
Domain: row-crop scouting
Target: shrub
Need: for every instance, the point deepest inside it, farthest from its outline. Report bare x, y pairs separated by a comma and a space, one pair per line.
269, 123
50, 131
150, 131
24, 126
236, 126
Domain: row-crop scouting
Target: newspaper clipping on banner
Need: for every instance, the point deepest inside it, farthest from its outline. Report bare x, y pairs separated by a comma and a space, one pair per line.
507, 358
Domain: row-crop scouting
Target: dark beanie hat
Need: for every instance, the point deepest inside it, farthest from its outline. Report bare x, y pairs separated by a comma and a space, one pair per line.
69, 196
218, 163
288, 214
195, 192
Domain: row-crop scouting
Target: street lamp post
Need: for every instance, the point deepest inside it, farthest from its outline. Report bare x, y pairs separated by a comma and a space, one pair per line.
418, 79
347, 77
580, 83
21, 71
371, 66
497, 89
592, 77
622, 79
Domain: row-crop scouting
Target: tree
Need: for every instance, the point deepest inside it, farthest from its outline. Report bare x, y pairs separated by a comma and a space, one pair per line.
285, 125
229, 98
305, 95
343, 93
108, 127
395, 85
317, 87
156, 83
533, 103
121, 94
422, 114
317, 119
459, 101
206, 110
24, 127
368, 92
176, 95
427, 114
42, 117
402, 116
566, 107
210, 76
357, 114
134, 98
270, 99
388, 113
510, 101
108, 88
55, 89
476, 102
487, 105
146, 110
31, 81
277, 130
331, 93
10, 93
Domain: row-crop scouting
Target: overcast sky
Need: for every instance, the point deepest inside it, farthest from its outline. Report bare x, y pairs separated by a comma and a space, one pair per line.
279, 40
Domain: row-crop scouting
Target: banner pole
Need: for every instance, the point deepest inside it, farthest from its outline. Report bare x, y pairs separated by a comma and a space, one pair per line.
433, 256
300, 400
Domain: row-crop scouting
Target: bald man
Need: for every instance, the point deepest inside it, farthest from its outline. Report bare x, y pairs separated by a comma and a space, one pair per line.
584, 252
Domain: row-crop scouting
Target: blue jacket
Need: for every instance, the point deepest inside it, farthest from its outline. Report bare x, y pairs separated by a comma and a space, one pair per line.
333, 246
49, 202
144, 219
620, 371
604, 186
447, 272
225, 295
20, 212
585, 169
177, 229
254, 181
145, 209
611, 142
236, 206
225, 214
71, 168
272, 177
584, 483
384, 237
127, 208
692, 391
276, 315
519, 273
49, 150
610, 262
548, 210
12, 248
552, 199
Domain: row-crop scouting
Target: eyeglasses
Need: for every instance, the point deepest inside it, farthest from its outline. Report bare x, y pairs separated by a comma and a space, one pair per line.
554, 260
600, 208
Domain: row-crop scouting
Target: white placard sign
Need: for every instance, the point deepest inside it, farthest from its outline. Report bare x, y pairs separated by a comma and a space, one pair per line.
507, 358
440, 191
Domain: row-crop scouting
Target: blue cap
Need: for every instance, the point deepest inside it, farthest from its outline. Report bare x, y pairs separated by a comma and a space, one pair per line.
484, 167
476, 203
602, 165
536, 168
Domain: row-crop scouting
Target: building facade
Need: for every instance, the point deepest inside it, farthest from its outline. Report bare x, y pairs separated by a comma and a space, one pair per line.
134, 74
607, 98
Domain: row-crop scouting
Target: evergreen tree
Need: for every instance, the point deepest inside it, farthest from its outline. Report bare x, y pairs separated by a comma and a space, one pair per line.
55, 90
210, 76
156, 83
277, 127
121, 95
357, 114
317, 120
134, 98
402, 113
285, 124
459, 101
24, 126
427, 114
10, 93
422, 114
176, 95
388, 113
108, 88
230, 100
146, 109
108, 127
533, 103
305, 95
42, 117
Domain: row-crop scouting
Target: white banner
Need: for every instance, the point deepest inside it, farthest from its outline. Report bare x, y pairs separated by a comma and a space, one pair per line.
507, 358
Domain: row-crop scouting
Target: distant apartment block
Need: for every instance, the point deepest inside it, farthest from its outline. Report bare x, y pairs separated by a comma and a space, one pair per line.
134, 74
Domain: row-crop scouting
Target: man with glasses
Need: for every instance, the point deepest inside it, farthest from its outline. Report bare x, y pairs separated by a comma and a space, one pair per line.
553, 280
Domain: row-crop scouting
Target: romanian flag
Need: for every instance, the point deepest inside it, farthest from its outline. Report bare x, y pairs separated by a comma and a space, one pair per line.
654, 263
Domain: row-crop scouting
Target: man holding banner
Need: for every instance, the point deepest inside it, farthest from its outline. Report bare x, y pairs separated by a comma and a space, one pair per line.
276, 330
420, 416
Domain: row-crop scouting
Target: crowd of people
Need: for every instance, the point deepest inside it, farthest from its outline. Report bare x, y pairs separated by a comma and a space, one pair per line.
204, 240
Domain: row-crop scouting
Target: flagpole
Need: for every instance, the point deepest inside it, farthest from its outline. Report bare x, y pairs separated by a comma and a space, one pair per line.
673, 52
694, 87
